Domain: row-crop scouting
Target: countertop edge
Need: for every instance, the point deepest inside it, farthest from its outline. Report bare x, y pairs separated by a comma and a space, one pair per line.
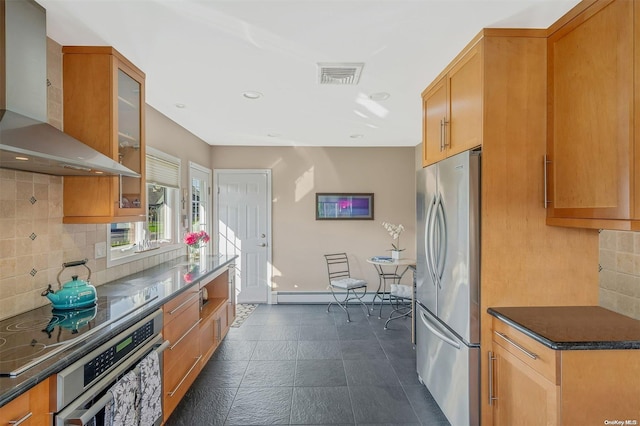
565, 346
77, 352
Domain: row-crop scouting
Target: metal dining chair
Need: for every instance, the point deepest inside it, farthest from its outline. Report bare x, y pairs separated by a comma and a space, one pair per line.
401, 297
344, 287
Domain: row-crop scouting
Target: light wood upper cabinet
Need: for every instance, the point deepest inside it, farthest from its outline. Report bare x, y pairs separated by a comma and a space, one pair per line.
452, 109
104, 108
591, 149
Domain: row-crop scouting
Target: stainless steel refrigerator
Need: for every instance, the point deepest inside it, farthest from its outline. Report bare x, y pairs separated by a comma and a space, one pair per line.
448, 285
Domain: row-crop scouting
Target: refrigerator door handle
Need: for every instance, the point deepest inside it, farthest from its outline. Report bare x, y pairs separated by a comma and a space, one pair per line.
428, 241
438, 333
442, 241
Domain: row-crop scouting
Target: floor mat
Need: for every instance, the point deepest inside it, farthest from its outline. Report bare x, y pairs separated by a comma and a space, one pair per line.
243, 310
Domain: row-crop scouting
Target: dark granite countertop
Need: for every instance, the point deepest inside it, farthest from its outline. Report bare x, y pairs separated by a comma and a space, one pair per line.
147, 291
573, 327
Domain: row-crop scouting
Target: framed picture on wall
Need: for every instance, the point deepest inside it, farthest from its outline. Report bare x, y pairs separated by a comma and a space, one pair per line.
344, 206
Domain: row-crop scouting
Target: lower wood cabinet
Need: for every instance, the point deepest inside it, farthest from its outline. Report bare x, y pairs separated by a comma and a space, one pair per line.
531, 384
195, 324
30, 408
217, 313
181, 360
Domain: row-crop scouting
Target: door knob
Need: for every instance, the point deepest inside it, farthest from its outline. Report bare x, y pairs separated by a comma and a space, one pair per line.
262, 236
262, 245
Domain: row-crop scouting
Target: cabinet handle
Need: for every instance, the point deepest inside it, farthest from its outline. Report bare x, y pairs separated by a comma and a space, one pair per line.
445, 123
491, 396
546, 162
441, 133
173, 392
517, 346
22, 420
184, 335
177, 308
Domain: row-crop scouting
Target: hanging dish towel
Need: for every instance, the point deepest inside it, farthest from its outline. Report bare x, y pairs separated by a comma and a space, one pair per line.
123, 410
150, 390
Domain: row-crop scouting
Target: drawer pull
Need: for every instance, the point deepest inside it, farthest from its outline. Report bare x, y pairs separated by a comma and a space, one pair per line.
22, 420
491, 395
177, 308
173, 392
517, 346
185, 334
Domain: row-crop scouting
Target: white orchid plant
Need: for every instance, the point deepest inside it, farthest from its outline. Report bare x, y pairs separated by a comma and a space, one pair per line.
394, 231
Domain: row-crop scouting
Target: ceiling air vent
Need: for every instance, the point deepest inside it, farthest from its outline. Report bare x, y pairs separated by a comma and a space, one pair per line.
339, 73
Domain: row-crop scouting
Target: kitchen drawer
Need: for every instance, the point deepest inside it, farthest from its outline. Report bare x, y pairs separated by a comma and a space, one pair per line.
185, 319
175, 306
32, 407
542, 359
15, 410
181, 366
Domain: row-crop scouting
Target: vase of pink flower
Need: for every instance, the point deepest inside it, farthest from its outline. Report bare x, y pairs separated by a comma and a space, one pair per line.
195, 241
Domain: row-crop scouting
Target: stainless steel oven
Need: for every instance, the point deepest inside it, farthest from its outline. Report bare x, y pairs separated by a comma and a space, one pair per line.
83, 387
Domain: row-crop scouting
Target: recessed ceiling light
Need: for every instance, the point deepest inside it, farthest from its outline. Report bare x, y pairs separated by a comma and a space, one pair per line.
356, 136
252, 95
22, 158
180, 106
380, 96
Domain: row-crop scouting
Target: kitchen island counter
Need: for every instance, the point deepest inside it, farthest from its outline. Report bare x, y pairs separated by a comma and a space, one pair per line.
128, 299
573, 327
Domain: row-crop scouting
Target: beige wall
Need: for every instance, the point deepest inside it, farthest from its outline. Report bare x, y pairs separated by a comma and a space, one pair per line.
299, 241
170, 138
620, 272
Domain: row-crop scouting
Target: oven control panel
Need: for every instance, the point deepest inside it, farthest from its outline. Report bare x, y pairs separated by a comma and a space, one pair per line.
101, 362
116, 352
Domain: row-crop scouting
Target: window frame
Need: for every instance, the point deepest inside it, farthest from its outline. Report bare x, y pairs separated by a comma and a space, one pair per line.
176, 200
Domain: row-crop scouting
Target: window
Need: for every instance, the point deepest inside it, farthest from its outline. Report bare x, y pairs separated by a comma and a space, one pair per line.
130, 241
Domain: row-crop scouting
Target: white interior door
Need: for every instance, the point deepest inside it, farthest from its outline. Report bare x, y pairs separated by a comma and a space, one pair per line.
243, 212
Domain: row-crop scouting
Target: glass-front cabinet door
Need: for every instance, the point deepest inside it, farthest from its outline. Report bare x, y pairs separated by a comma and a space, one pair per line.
130, 192
104, 107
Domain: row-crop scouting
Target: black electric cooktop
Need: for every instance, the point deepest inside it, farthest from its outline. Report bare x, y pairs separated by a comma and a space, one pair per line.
32, 337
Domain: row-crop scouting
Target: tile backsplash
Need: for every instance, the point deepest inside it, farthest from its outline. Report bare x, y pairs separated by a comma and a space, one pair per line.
620, 272
34, 243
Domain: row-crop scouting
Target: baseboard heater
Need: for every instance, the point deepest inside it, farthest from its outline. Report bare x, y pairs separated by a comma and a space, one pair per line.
283, 297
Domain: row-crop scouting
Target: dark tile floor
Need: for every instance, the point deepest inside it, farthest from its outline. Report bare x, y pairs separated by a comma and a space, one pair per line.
298, 364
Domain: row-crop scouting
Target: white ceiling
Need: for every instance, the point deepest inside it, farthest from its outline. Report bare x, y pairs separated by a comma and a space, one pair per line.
205, 54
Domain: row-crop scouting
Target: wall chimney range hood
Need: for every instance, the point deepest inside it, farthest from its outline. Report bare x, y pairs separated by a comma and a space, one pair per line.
27, 141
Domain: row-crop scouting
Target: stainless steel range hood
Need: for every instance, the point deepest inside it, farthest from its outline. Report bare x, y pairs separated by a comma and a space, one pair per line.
27, 141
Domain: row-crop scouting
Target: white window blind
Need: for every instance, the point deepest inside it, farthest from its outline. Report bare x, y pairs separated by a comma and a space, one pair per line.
163, 171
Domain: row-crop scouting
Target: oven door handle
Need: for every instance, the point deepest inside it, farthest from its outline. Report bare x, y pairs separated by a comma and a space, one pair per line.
82, 417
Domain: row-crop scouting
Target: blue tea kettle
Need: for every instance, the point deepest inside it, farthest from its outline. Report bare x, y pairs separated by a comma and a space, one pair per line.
75, 294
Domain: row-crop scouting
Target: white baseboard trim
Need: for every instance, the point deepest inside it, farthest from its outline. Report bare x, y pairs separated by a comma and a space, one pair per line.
282, 297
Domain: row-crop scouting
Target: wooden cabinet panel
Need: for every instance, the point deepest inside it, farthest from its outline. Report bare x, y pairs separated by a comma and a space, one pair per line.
31, 407
590, 118
185, 319
542, 359
600, 385
434, 105
103, 101
588, 388
523, 397
464, 128
452, 109
181, 365
173, 308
